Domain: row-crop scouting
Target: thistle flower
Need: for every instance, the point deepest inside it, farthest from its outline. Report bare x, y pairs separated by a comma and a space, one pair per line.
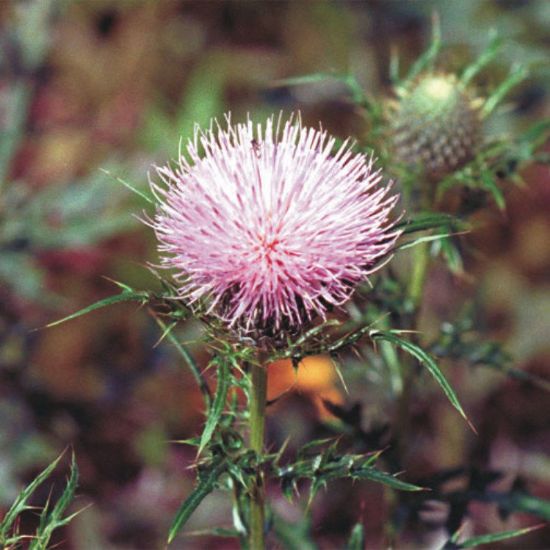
271, 226
436, 124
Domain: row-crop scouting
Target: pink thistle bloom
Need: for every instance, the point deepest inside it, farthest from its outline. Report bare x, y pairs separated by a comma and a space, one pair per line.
269, 225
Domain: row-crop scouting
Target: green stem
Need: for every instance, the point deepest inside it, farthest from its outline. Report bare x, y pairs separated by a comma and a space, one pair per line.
257, 430
421, 259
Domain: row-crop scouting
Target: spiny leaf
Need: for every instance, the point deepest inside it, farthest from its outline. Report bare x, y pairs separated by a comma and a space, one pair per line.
496, 537
51, 521
311, 333
373, 474
216, 410
349, 339
20, 504
326, 466
125, 296
204, 488
311, 445
428, 362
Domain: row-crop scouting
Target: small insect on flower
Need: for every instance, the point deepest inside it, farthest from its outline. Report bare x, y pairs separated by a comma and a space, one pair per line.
271, 226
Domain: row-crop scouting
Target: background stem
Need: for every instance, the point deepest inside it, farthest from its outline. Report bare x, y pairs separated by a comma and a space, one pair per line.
257, 431
421, 258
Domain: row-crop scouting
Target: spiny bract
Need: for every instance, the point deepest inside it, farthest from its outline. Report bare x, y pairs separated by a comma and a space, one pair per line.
271, 226
435, 124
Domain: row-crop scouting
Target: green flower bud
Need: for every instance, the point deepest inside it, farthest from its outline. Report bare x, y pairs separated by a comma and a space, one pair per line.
435, 125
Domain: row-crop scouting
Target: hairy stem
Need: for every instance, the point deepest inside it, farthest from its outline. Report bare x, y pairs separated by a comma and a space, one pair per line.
257, 431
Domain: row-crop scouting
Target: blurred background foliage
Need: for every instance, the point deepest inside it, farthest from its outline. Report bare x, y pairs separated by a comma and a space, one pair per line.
92, 91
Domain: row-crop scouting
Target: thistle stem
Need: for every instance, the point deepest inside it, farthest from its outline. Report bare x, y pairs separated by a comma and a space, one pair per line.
257, 430
421, 262
421, 259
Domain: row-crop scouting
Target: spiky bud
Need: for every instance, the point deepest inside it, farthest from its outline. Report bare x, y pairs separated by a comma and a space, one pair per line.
435, 124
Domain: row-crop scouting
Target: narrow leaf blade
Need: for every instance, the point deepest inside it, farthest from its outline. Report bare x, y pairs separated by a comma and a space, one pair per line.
379, 476
216, 410
192, 502
128, 186
122, 297
431, 220
426, 360
53, 520
20, 503
489, 183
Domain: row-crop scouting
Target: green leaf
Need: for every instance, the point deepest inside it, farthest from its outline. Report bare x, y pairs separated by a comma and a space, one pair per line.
420, 240
125, 296
204, 488
517, 74
314, 78
489, 183
215, 412
496, 537
426, 360
20, 504
537, 133
129, 186
451, 253
225, 532
378, 476
430, 220
357, 538
349, 339
312, 447
188, 358
521, 502
51, 521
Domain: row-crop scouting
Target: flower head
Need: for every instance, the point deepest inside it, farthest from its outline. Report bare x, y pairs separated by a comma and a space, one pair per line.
271, 226
436, 124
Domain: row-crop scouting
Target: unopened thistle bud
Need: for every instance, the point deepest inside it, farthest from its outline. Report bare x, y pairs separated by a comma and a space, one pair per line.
435, 124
